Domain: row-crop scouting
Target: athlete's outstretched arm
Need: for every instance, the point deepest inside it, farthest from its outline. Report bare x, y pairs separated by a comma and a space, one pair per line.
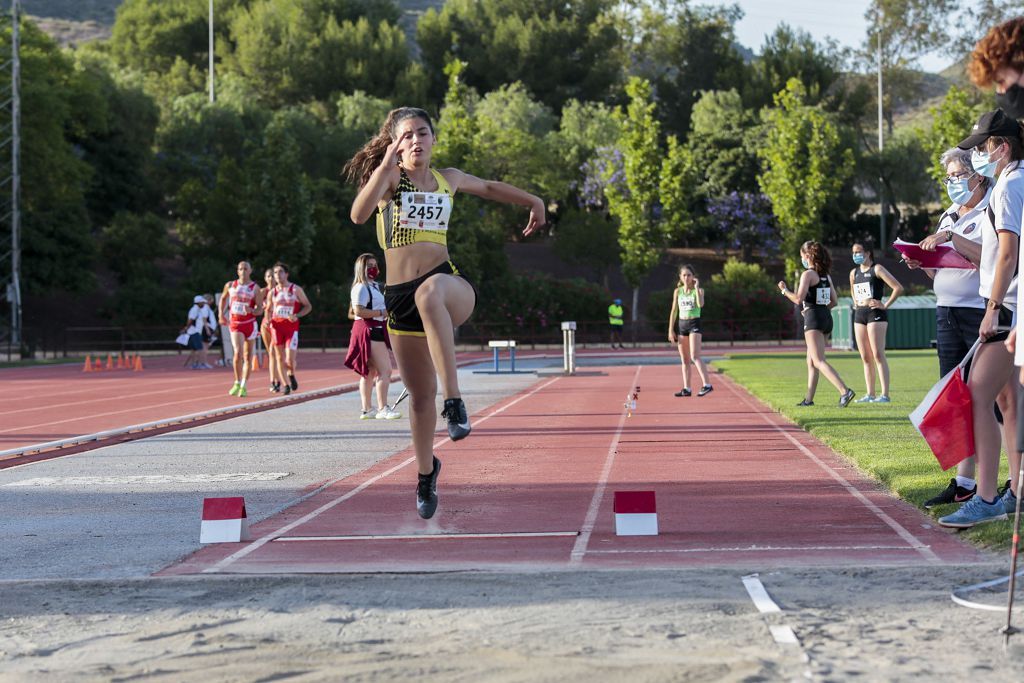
498, 191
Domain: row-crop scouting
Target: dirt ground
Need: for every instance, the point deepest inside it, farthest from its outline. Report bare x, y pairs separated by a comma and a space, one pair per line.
870, 624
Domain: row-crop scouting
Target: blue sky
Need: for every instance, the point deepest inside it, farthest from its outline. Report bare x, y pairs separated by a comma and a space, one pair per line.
839, 19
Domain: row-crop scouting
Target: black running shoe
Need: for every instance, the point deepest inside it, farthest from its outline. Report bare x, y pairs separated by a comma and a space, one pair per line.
804, 403
683, 392
293, 382
845, 399
952, 494
275, 387
426, 492
458, 422
705, 390
287, 390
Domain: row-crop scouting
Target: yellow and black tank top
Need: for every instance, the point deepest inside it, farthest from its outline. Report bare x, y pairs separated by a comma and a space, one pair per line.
413, 215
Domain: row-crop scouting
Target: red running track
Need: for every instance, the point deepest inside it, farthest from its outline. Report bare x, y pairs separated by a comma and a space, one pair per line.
736, 485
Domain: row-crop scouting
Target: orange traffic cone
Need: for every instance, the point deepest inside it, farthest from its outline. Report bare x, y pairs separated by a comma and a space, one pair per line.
110, 362
88, 365
97, 366
255, 362
120, 361
138, 364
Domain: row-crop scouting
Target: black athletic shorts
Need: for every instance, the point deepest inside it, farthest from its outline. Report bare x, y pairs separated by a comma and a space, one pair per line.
863, 316
1005, 322
688, 326
400, 300
818, 318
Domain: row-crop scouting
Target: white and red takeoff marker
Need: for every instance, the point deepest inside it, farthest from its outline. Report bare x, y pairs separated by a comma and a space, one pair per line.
224, 521
635, 513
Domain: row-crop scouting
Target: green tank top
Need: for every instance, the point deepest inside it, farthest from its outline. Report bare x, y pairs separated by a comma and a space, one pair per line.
689, 304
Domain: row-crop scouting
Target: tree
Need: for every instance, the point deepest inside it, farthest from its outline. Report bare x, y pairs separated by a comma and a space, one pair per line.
793, 53
745, 222
559, 49
804, 166
678, 189
633, 202
906, 31
719, 142
683, 50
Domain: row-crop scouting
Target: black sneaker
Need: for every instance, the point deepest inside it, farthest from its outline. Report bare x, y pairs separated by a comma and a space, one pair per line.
287, 390
804, 403
683, 392
458, 422
275, 387
952, 494
426, 492
845, 399
293, 382
705, 390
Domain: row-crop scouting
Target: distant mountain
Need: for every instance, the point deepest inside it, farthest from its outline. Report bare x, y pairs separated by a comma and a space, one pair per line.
99, 11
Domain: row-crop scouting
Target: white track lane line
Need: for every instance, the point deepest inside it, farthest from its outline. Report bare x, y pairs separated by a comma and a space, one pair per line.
900, 530
579, 549
431, 537
267, 538
757, 593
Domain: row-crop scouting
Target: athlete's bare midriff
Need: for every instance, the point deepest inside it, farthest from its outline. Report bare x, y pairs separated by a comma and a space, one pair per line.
413, 260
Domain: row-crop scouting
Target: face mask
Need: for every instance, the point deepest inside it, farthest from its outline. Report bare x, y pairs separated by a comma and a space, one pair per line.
858, 259
805, 263
1012, 101
372, 273
983, 164
959, 192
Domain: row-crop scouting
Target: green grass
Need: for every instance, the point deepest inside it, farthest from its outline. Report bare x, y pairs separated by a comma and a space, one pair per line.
877, 438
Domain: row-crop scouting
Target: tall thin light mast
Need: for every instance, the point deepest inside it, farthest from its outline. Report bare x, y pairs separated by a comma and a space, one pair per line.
881, 144
211, 53
10, 213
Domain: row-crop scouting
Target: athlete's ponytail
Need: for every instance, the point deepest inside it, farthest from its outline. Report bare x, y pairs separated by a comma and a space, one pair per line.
818, 256
359, 169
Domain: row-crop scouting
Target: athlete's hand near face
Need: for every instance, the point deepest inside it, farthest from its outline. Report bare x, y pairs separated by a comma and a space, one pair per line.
393, 154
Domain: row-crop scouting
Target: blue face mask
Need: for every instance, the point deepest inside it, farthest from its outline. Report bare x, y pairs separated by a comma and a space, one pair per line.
959, 192
983, 164
858, 259
805, 263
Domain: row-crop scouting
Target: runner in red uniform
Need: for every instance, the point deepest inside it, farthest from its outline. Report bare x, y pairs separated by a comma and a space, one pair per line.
265, 334
288, 304
239, 301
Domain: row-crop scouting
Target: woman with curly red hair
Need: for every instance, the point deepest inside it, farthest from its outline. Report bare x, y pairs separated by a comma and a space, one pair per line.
998, 59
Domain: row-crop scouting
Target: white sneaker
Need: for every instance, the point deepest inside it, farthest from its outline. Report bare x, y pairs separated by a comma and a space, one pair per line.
388, 413
365, 414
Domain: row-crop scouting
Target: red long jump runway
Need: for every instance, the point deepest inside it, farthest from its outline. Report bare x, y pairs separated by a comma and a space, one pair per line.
532, 488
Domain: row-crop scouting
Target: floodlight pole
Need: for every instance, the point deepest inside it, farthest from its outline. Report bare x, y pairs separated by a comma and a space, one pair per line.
883, 244
14, 285
212, 97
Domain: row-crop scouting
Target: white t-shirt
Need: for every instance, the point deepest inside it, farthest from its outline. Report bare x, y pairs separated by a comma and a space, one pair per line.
200, 314
368, 292
958, 287
1007, 204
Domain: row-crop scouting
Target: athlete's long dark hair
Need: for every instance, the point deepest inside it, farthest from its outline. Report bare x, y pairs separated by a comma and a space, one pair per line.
817, 254
359, 169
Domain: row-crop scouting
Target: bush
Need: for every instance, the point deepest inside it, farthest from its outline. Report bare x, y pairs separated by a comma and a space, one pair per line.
538, 302
740, 303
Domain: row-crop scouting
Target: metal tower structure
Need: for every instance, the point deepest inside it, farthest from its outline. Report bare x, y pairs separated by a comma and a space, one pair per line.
11, 334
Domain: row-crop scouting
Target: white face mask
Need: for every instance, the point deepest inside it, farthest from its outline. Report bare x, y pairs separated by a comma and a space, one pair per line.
984, 164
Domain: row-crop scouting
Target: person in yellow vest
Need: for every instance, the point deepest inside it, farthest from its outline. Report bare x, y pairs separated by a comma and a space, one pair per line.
615, 322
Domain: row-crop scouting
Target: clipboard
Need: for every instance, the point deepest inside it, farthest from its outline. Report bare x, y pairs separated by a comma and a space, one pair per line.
944, 255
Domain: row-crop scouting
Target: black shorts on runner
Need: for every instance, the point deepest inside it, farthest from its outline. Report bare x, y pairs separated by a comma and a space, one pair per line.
818, 318
688, 326
400, 300
863, 316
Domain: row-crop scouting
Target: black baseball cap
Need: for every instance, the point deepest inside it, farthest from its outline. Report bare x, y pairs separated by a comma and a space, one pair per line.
993, 123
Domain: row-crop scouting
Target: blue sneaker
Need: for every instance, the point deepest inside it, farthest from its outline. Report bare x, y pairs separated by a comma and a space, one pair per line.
975, 511
881, 399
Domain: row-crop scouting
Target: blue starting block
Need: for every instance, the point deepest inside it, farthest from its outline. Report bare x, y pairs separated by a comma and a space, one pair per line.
496, 346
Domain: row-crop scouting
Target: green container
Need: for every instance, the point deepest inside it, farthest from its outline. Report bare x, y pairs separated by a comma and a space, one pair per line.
911, 323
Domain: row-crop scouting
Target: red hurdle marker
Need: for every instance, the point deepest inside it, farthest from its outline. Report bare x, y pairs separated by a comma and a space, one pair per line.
224, 521
635, 513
